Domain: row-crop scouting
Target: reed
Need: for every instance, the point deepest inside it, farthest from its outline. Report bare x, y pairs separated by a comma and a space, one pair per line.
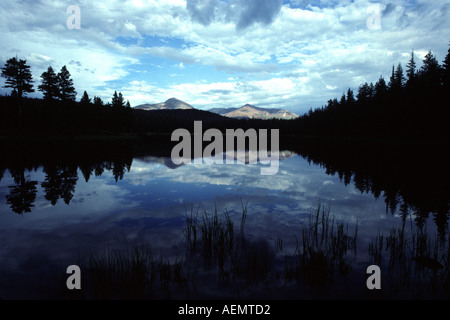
323, 252
221, 248
416, 263
116, 274
217, 253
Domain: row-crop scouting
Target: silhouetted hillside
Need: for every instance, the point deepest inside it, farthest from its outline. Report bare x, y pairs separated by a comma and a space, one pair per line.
411, 105
56, 117
414, 105
166, 121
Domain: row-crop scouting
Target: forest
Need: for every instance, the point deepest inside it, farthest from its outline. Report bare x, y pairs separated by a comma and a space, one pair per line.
57, 113
412, 104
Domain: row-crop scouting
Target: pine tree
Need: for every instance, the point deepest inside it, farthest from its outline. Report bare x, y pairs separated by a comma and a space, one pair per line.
343, 100
430, 63
117, 100
399, 77
371, 90
18, 76
98, 101
397, 80
65, 83
411, 70
350, 97
49, 85
364, 93
121, 100
430, 72
85, 99
380, 88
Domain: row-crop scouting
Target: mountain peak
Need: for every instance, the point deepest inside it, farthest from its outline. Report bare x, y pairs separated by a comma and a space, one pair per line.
173, 100
174, 103
169, 104
249, 111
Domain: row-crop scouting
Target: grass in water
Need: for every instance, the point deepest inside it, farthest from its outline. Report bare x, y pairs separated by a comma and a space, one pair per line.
323, 252
220, 261
416, 264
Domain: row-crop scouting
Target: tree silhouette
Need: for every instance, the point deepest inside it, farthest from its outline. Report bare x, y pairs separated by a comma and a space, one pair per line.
117, 100
446, 70
21, 196
430, 72
399, 80
119, 167
66, 89
70, 178
350, 97
411, 70
381, 89
98, 102
85, 100
343, 100
365, 93
18, 76
86, 169
60, 182
49, 86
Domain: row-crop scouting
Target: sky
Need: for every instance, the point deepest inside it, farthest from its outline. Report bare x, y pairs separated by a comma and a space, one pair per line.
294, 55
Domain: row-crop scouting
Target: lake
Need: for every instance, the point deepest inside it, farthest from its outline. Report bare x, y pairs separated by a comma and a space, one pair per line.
64, 202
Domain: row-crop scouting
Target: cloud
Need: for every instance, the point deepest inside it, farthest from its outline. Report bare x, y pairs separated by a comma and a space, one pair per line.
242, 13
314, 44
390, 7
254, 11
202, 11
272, 93
182, 56
74, 62
227, 60
39, 60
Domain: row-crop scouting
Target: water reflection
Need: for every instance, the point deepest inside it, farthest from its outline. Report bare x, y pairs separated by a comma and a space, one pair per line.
410, 180
80, 197
23, 194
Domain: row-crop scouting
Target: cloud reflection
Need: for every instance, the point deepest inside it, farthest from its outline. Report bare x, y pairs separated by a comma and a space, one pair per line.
148, 206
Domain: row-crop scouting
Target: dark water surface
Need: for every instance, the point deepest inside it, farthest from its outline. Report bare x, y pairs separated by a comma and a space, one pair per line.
62, 201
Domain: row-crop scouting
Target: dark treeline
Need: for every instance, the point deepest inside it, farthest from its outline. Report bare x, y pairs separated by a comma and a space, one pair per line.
166, 121
90, 158
38, 116
57, 113
64, 163
409, 178
413, 103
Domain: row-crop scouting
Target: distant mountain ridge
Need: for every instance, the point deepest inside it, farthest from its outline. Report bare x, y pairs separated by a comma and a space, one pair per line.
170, 104
249, 111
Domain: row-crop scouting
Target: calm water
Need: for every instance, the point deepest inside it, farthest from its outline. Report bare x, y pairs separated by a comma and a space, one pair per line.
57, 205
